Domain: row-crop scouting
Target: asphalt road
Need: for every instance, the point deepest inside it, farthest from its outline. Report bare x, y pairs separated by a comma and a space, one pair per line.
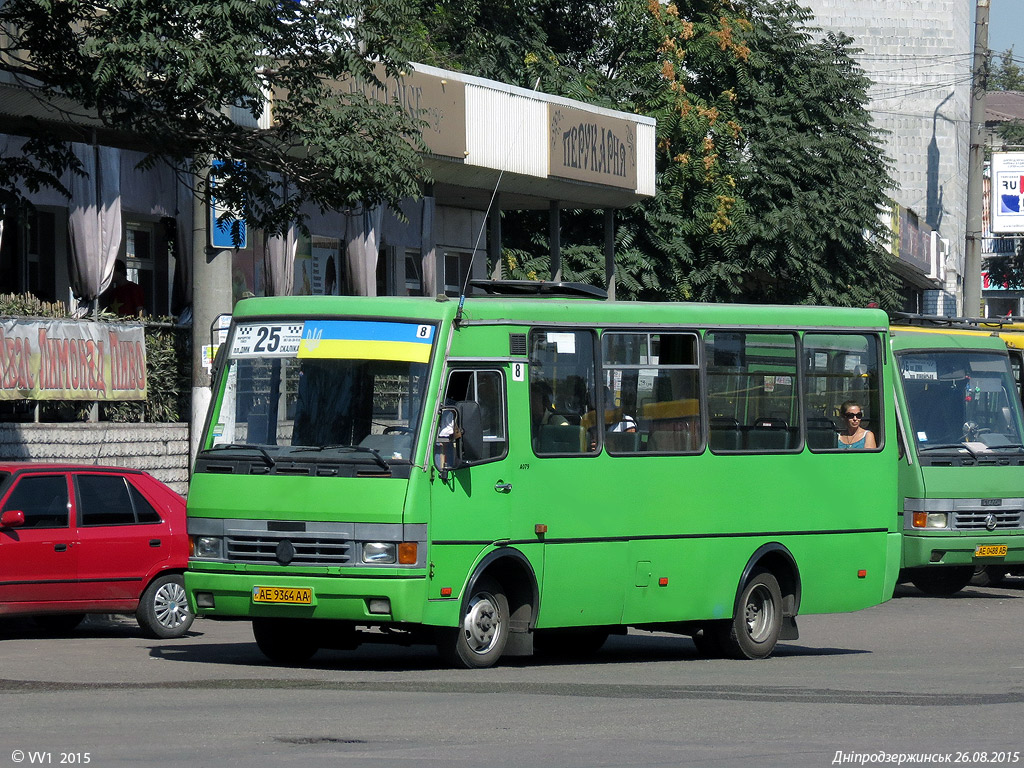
918, 677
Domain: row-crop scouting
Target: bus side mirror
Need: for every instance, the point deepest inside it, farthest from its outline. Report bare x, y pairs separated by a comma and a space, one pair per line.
472, 431
460, 437
12, 518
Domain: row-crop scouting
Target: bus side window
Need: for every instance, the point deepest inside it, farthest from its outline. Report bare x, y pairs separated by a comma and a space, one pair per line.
752, 392
562, 392
840, 368
486, 388
651, 386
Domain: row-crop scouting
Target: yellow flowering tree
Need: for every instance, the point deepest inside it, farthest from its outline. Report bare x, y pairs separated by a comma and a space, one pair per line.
770, 177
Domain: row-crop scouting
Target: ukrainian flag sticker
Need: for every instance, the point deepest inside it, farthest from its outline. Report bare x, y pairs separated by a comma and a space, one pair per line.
366, 340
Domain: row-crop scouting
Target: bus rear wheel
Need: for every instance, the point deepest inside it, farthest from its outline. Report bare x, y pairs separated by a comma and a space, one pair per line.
754, 630
480, 638
942, 581
285, 641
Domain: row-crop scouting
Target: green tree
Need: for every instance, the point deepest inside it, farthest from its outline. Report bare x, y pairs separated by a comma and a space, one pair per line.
771, 180
164, 76
504, 39
1007, 74
811, 175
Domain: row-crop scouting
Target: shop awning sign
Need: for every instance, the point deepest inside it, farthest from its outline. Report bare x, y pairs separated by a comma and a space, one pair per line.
71, 360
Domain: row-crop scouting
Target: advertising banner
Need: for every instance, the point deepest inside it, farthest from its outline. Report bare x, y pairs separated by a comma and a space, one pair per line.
71, 360
439, 102
1007, 214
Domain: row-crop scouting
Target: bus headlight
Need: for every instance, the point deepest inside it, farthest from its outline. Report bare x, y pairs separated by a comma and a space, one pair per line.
207, 546
930, 520
379, 552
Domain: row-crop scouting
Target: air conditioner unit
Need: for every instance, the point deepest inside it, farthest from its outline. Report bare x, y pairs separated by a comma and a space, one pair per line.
939, 252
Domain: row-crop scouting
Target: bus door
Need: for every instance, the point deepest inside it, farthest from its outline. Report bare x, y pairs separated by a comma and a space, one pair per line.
470, 505
1017, 366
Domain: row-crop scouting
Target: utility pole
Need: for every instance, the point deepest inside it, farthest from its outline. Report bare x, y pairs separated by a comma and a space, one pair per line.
976, 164
211, 297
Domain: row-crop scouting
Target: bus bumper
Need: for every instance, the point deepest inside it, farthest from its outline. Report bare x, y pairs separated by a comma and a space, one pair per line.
953, 549
360, 599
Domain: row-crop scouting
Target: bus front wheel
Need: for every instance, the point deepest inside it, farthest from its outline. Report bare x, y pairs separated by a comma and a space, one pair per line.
480, 638
988, 576
284, 641
754, 630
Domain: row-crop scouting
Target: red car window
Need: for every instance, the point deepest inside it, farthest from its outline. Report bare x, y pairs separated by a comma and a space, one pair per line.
43, 499
104, 500
112, 500
144, 512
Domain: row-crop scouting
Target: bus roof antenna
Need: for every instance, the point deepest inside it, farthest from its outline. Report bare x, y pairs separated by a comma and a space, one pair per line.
487, 214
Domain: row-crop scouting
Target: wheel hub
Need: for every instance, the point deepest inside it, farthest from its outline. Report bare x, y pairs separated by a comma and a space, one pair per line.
760, 614
482, 625
170, 605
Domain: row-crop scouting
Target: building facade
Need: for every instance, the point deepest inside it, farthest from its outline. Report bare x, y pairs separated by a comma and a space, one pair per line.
918, 54
490, 147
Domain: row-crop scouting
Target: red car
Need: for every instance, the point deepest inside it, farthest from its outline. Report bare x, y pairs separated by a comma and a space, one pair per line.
87, 539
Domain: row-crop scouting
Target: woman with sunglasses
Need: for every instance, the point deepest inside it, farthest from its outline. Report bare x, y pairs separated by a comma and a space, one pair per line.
854, 437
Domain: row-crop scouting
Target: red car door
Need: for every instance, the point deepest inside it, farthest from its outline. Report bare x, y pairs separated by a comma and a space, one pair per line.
38, 560
123, 539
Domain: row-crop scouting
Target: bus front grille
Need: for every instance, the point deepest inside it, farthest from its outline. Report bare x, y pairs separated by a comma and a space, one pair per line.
266, 547
978, 520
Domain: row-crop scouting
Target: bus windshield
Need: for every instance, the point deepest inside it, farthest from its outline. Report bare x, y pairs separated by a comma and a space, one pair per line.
961, 401
324, 387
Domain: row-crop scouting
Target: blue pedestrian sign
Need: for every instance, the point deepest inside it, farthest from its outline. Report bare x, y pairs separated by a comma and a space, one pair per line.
224, 234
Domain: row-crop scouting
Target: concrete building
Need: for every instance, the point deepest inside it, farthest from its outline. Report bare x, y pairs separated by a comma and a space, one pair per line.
919, 53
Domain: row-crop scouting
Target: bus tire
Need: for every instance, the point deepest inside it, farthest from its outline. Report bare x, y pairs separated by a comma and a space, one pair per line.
284, 641
988, 576
942, 581
480, 638
754, 630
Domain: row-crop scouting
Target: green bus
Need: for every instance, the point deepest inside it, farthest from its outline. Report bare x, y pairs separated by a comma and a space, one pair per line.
962, 457
535, 468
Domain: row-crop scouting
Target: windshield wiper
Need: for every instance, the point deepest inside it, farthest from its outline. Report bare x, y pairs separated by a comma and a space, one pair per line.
946, 446
268, 460
341, 446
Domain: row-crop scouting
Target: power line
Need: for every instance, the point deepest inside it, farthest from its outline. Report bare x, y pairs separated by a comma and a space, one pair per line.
994, 56
913, 91
922, 115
